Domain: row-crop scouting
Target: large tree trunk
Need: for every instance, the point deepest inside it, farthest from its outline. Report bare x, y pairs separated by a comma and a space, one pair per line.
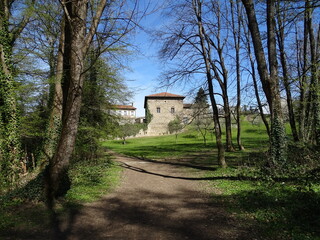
314, 84
72, 92
76, 46
270, 83
255, 83
55, 102
278, 140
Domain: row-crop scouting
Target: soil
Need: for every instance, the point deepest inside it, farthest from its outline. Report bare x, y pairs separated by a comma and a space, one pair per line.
158, 201
168, 200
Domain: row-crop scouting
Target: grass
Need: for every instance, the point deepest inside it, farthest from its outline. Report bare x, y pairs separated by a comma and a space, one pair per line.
24, 213
274, 208
277, 210
91, 181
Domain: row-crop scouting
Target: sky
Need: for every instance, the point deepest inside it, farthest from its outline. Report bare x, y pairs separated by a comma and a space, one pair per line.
145, 67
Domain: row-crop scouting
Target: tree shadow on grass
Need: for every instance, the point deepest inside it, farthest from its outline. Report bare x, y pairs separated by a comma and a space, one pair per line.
33, 221
283, 213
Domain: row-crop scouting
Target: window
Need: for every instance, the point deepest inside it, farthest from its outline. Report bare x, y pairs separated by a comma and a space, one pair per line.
158, 109
172, 110
125, 113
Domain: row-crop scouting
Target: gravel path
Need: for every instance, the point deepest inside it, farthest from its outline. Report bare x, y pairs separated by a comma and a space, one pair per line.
154, 201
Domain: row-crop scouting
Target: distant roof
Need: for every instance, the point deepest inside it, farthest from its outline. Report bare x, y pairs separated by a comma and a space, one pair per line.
162, 95
123, 107
165, 95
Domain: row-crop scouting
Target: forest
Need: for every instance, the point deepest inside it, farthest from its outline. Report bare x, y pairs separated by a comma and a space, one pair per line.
61, 66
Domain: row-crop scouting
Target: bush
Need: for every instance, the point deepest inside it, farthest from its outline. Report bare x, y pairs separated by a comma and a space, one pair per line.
87, 146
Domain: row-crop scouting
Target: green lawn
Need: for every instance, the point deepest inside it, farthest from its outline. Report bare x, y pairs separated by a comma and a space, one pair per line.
188, 143
278, 209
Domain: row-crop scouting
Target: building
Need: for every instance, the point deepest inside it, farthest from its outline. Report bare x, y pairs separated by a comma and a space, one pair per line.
127, 113
161, 108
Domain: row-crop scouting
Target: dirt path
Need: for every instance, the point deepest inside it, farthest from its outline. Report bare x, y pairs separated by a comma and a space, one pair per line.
154, 201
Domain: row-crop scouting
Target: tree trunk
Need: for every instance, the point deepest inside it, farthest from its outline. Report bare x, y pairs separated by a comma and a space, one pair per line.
236, 39
76, 46
285, 73
270, 83
223, 81
72, 89
314, 84
278, 140
10, 145
55, 103
206, 56
228, 122
255, 83
303, 129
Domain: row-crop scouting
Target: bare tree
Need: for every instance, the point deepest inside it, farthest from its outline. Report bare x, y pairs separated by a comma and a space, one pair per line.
281, 18
213, 35
187, 42
206, 54
253, 74
236, 30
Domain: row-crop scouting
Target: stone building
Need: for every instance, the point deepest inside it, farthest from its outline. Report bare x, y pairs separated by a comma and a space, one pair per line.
127, 113
161, 108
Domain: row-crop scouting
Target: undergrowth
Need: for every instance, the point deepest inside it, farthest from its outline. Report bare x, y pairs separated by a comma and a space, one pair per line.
23, 210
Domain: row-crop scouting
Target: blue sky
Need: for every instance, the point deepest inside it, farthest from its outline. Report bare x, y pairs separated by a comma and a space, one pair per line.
145, 66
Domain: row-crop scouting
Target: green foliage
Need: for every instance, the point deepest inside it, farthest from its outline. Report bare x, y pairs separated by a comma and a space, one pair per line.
201, 99
149, 116
175, 126
87, 146
101, 87
128, 130
91, 180
278, 145
9, 136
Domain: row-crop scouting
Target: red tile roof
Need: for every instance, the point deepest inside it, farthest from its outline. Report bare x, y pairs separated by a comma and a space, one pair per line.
165, 95
123, 107
162, 95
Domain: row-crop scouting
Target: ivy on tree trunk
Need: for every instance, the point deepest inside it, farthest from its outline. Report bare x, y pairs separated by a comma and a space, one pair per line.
9, 136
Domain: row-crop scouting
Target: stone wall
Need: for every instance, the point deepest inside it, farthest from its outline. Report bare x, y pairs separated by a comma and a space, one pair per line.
169, 109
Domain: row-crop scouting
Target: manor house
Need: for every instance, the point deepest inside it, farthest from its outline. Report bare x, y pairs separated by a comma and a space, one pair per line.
126, 113
161, 108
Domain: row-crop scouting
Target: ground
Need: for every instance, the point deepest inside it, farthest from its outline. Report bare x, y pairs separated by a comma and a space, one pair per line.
155, 200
